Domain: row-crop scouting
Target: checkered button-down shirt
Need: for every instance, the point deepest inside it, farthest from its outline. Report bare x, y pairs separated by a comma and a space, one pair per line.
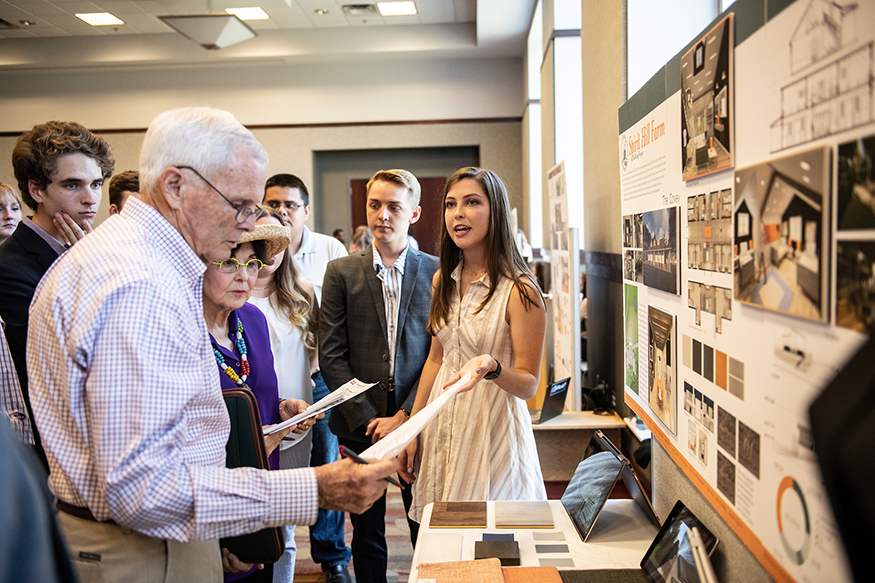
11, 399
126, 389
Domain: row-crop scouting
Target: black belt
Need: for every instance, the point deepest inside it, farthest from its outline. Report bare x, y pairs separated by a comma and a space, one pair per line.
79, 512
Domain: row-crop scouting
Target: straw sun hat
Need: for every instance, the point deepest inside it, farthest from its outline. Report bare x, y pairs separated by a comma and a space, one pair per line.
275, 237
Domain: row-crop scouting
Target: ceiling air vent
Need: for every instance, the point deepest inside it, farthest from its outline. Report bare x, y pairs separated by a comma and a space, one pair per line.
5, 25
360, 10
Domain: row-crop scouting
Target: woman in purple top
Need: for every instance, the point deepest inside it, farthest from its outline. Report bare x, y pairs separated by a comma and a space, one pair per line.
241, 346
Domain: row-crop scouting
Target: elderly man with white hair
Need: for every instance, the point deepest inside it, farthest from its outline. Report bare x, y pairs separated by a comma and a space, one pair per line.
125, 384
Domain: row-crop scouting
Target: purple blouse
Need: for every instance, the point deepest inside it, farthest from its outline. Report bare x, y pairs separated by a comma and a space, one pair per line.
261, 380
262, 376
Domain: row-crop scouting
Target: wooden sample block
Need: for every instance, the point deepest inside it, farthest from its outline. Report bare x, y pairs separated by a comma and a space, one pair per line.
523, 514
458, 515
506, 551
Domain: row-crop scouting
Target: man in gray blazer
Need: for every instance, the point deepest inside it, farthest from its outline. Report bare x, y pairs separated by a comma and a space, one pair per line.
375, 307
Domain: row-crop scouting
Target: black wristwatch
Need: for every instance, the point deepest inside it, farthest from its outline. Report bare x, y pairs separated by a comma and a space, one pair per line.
493, 374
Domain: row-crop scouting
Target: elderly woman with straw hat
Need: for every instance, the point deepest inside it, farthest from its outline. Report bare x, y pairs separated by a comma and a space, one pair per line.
288, 302
241, 345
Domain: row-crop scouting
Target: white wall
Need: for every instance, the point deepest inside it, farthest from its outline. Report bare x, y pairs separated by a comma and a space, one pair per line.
292, 149
658, 30
295, 99
396, 90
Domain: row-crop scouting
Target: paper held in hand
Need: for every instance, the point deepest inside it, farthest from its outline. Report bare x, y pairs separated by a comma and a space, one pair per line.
343, 394
392, 444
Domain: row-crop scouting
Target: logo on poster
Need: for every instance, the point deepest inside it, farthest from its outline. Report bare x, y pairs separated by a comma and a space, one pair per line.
624, 149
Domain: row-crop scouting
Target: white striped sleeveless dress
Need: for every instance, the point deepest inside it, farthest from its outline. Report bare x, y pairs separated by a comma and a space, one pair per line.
481, 445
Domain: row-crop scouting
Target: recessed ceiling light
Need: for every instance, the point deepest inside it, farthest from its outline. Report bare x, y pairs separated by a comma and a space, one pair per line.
248, 13
396, 8
99, 19
26, 22
321, 11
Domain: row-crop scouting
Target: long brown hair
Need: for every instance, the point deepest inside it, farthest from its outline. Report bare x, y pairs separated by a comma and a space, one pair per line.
289, 298
503, 258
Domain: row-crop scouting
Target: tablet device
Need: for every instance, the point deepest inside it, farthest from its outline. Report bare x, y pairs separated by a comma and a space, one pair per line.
554, 402
589, 488
594, 479
629, 477
670, 556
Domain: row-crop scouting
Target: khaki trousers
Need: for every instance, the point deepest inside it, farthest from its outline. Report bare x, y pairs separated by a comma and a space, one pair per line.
108, 553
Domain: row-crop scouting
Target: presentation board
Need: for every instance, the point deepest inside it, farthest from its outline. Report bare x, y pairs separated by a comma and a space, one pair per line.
748, 203
565, 275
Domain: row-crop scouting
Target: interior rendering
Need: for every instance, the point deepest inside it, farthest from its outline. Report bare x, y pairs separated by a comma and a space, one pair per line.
779, 234
706, 87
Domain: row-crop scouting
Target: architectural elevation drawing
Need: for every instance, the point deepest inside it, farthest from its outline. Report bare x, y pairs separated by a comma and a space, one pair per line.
834, 89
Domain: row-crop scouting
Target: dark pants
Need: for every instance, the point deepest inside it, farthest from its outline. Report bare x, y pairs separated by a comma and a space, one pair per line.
369, 550
326, 536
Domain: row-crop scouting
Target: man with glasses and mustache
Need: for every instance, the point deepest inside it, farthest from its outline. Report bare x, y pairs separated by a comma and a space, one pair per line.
125, 383
288, 195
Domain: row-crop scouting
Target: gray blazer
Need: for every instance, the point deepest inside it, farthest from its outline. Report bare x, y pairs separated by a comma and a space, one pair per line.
352, 336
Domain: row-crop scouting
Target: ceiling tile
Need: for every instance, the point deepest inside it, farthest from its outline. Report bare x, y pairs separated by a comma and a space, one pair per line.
84, 30
151, 6
411, 19
16, 34
40, 8
50, 31
138, 20
333, 18
80, 7
120, 30
152, 25
12, 14
291, 18
117, 7
313, 4
365, 21
262, 24
62, 19
37, 21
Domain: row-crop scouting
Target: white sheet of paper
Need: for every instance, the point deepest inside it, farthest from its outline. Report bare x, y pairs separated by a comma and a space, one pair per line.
392, 444
332, 399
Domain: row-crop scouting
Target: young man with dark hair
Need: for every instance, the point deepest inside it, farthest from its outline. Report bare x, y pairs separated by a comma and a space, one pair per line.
60, 168
122, 186
288, 195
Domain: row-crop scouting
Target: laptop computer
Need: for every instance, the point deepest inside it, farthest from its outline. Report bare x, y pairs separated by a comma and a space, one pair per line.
594, 479
554, 402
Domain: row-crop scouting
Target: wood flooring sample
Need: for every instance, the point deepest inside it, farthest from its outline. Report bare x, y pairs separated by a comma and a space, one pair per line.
483, 571
458, 515
531, 575
523, 514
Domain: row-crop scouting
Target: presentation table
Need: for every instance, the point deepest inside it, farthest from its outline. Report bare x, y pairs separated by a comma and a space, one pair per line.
619, 539
562, 440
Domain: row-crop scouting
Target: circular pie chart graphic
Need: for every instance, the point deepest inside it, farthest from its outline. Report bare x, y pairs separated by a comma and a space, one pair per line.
794, 524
